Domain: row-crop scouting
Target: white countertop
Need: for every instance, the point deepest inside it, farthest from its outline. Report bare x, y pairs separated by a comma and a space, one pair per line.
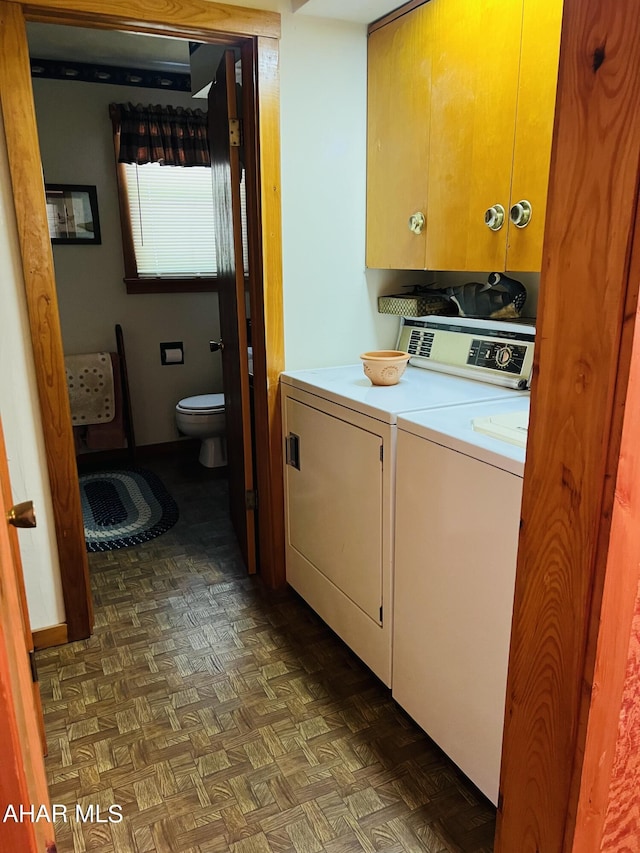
453, 428
418, 389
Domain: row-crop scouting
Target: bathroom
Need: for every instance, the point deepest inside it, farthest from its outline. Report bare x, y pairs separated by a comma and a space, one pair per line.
91, 293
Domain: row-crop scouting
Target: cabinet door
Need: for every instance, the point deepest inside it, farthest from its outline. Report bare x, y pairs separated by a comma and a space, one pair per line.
475, 62
534, 128
399, 80
334, 499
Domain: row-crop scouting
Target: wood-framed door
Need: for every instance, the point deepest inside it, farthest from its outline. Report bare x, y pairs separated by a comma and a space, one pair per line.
226, 173
202, 21
22, 773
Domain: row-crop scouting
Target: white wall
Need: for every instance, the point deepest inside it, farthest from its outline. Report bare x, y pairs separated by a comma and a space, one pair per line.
21, 421
91, 293
329, 312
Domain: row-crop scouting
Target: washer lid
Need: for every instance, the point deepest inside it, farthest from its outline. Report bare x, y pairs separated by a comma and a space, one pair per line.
202, 403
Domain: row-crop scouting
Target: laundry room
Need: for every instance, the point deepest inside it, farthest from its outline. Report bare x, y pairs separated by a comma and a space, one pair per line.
408, 620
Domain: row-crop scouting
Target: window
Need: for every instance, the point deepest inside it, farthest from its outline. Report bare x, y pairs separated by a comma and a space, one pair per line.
170, 220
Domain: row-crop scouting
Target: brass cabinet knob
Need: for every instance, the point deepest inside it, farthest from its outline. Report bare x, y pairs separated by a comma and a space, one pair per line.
417, 222
494, 217
520, 214
22, 515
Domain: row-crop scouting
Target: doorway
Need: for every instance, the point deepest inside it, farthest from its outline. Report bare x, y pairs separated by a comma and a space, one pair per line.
257, 34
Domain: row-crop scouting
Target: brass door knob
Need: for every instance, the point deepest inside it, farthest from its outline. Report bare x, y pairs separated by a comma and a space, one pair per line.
214, 346
494, 217
22, 515
417, 222
520, 213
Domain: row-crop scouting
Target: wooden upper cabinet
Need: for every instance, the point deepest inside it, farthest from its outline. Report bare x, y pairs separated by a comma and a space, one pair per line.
399, 81
461, 104
540, 50
476, 51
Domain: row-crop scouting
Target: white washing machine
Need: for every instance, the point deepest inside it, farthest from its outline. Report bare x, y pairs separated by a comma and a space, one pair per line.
340, 471
459, 488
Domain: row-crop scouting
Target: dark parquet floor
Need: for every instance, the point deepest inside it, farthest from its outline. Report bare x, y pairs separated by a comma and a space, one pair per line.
222, 717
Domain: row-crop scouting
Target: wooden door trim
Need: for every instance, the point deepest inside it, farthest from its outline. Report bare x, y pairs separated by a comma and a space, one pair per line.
267, 301
16, 102
584, 347
198, 19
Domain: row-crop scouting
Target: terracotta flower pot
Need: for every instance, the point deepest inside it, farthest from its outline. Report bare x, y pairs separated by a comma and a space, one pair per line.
384, 367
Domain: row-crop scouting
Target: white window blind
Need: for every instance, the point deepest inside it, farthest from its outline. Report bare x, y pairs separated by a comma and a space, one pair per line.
172, 220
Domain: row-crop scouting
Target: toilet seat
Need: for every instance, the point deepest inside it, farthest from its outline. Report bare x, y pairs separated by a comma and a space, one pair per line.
202, 404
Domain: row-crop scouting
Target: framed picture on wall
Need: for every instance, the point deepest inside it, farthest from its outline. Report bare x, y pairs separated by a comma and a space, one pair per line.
72, 212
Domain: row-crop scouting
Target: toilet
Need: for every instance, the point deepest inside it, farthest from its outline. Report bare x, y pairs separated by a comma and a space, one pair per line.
202, 417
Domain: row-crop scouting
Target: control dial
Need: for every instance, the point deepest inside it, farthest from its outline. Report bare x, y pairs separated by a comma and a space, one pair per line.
504, 356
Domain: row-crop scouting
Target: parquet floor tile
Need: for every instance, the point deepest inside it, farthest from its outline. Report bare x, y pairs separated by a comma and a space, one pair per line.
222, 717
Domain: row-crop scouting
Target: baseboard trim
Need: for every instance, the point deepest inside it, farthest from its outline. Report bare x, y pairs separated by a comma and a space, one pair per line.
44, 638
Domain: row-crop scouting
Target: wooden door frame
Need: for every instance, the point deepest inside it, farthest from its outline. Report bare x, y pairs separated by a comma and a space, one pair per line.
568, 782
197, 20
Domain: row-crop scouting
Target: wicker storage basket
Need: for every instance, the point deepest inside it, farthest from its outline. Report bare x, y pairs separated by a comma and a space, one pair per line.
417, 304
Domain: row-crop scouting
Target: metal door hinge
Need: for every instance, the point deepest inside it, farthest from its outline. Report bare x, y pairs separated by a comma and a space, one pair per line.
381, 614
34, 668
382, 452
251, 498
235, 132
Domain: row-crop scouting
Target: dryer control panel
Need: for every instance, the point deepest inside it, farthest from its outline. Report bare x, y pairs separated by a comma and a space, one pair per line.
488, 350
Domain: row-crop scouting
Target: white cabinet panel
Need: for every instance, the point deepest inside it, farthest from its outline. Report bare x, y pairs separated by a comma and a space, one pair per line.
457, 522
335, 503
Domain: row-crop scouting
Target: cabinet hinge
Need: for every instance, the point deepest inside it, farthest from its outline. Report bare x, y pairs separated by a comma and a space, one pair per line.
251, 498
34, 668
382, 452
380, 614
235, 132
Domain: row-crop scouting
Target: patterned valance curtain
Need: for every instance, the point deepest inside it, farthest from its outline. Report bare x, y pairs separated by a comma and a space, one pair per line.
171, 136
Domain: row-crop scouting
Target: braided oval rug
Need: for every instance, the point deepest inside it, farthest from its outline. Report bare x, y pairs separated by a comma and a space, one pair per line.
124, 508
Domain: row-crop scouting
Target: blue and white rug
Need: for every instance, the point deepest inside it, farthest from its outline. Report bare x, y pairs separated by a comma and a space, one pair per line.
124, 508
